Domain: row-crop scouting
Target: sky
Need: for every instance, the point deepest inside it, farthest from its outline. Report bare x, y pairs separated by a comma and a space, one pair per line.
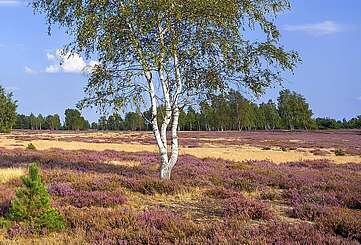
327, 35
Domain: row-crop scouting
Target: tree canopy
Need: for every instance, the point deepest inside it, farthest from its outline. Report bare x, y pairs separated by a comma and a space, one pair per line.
7, 111
74, 120
186, 48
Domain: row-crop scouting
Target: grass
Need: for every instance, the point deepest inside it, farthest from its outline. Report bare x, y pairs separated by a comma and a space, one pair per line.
130, 164
7, 174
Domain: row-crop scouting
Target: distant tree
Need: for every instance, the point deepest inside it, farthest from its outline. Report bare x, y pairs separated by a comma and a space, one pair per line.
22, 122
33, 121
84, 124
73, 119
94, 125
134, 121
191, 119
206, 115
294, 110
52, 122
102, 123
185, 48
328, 123
115, 122
271, 117
55, 123
40, 121
7, 111
182, 120
354, 122
221, 111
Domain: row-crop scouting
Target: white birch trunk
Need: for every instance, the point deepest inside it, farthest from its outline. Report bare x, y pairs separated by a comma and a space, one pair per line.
167, 170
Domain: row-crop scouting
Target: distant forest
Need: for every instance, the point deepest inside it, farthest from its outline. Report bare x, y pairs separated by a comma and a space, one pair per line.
230, 111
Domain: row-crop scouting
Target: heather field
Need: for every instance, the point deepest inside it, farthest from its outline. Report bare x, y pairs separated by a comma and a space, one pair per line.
227, 188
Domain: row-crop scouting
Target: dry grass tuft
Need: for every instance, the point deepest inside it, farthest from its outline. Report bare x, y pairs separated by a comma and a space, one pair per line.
50, 239
7, 174
131, 164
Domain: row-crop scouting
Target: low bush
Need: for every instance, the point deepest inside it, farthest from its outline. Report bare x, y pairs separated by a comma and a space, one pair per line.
5, 199
246, 208
284, 233
244, 185
306, 211
219, 193
150, 186
340, 152
343, 222
61, 189
31, 147
270, 194
94, 198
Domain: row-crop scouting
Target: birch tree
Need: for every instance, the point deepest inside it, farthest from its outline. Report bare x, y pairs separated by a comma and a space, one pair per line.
168, 53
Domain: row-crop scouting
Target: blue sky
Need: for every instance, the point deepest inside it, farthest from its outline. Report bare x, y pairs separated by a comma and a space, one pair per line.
327, 34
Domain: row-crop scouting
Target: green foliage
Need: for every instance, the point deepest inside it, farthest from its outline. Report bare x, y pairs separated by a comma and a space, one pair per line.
206, 36
74, 120
51, 122
294, 110
7, 111
340, 152
4, 223
134, 121
31, 146
32, 204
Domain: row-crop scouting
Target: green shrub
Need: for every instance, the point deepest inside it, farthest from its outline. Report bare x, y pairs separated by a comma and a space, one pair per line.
31, 146
284, 149
32, 204
340, 152
4, 223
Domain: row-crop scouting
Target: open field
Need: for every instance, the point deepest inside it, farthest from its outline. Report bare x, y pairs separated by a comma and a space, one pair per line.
277, 147
228, 187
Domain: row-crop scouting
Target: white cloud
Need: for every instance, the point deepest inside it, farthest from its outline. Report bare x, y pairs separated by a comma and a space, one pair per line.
359, 98
30, 71
50, 56
67, 62
71, 63
321, 28
61, 61
53, 69
11, 3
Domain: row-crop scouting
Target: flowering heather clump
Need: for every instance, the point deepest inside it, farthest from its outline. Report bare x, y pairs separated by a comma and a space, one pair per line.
219, 193
61, 189
6, 196
341, 222
283, 233
167, 225
246, 208
150, 186
94, 198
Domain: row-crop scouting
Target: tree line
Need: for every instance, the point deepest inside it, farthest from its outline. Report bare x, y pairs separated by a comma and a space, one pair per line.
230, 111
73, 121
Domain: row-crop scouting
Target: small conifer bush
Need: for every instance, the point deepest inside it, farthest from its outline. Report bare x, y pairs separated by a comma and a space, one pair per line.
31, 146
340, 152
32, 204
